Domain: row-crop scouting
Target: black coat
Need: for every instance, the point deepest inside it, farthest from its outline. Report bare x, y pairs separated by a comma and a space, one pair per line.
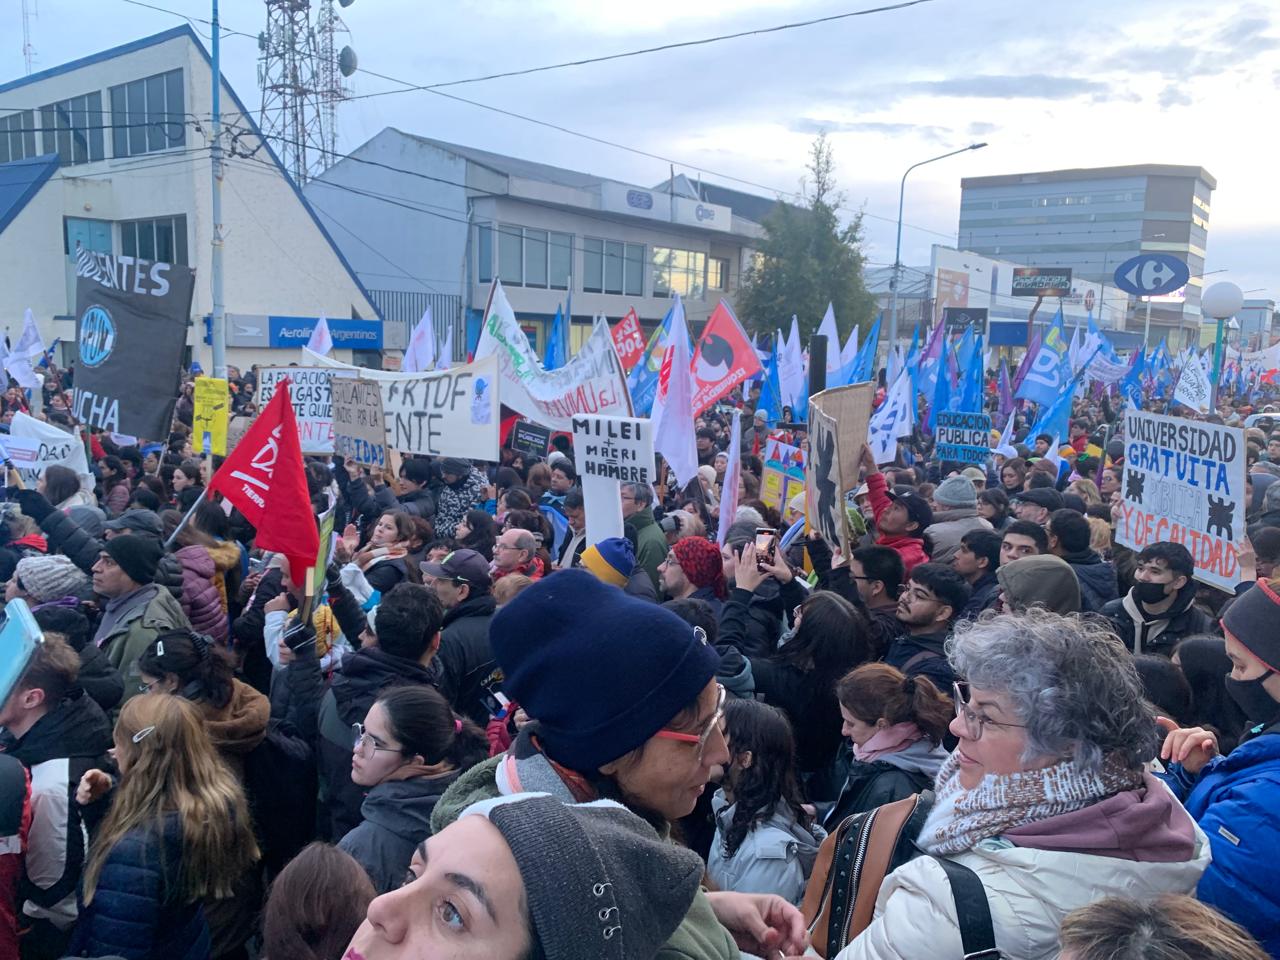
1183, 620
1097, 580
420, 503
67, 537
983, 597
923, 656
465, 663
100, 680
871, 785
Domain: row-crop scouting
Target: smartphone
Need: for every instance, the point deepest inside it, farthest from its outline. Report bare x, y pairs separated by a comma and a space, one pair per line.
19, 637
495, 702
766, 544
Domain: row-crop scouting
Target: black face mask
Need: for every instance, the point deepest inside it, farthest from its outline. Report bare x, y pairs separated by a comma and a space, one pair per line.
1149, 593
1252, 697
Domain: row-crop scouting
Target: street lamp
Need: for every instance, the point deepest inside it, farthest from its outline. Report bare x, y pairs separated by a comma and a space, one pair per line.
897, 249
1220, 301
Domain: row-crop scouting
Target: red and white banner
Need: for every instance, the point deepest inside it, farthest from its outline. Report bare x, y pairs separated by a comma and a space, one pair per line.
722, 359
629, 340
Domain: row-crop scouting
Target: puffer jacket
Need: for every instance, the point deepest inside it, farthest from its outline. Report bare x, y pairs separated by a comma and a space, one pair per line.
200, 600
1097, 580
134, 913
453, 500
948, 526
776, 855
1234, 800
226, 558
67, 537
1029, 891
397, 817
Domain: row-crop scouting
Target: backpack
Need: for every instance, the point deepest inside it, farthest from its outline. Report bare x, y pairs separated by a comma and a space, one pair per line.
840, 899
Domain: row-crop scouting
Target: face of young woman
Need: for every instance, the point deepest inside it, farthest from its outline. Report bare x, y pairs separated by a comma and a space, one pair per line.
384, 534
378, 757
180, 481
856, 730
463, 899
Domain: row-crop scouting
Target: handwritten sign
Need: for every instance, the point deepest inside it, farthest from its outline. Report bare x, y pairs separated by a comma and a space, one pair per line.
359, 431
312, 402
209, 422
963, 437
1184, 483
610, 451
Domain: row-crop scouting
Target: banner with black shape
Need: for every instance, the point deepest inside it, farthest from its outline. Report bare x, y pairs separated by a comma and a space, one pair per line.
962, 437
1184, 483
824, 494
131, 331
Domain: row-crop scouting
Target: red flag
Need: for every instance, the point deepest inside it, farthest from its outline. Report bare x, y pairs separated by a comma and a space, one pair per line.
264, 478
628, 338
723, 359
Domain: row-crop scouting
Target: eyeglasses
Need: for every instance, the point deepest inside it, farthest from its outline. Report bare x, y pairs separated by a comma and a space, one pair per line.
974, 722
366, 744
700, 738
147, 687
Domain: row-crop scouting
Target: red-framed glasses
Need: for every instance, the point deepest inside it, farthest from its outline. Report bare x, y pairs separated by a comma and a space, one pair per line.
700, 738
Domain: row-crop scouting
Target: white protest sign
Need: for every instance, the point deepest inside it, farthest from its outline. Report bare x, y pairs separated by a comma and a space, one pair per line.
609, 451
1193, 388
312, 402
33, 445
358, 428
444, 413
1184, 483
592, 383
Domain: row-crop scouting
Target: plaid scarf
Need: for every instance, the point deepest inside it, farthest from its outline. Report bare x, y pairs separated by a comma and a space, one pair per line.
960, 818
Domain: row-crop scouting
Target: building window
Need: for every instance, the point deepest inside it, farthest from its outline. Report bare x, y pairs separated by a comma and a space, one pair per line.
1013, 204
18, 136
484, 252
148, 115
73, 129
611, 266
163, 239
718, 273
679, 271
528, 257
510, 254
560, 260
92, 235
535, 258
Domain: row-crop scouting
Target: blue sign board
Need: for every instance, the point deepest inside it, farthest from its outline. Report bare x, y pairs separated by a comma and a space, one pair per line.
1152, 274
349, 334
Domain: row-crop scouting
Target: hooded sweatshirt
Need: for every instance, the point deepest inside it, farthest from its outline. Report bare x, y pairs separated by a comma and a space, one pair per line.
776, 855
1045, 580
1147, 632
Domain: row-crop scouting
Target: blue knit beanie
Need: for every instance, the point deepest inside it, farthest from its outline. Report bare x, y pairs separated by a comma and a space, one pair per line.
601, 671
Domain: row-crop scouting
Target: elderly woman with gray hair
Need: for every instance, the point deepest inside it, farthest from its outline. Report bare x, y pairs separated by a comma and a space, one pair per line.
1047, 798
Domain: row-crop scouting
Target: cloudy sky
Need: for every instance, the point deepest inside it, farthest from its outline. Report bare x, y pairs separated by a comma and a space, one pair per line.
1049, 84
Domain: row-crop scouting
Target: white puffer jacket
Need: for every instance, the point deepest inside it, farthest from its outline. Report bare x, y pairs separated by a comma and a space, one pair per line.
1029, 892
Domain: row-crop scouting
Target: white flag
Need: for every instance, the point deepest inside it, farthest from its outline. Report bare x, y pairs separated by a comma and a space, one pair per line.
672, 415
791, 370
446, 352
30, 345
420, 355
1193, 388
1005, 447
320, 341
894, 419
850, 351
827, 328
729, 489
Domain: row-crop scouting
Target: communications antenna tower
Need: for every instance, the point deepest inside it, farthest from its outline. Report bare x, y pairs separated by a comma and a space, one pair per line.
29, 10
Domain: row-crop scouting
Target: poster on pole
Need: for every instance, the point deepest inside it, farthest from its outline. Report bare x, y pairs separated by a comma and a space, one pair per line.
962, 437
628, 340
312, 402
610, 451
359, 431
1184, 483
783, 474
209, 421
824, 492
531, 439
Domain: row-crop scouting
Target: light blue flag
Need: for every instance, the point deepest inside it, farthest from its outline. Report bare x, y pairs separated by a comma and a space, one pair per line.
771, 389
973, 375
1131, 385
554, 356
642, 381
942, 391
1050, 370
865, 365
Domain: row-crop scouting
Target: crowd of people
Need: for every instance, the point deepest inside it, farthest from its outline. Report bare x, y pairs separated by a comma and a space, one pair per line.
988, 727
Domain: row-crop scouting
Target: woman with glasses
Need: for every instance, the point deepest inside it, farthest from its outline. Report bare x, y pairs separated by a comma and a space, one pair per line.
1047, 798
407, 752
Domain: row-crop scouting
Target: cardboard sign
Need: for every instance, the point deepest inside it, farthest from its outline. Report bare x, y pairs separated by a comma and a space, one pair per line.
824, 490
1184, 483
610, 451
531, 439
962, 437
209, 422
850, 407
628, 340
312, 402
359, 431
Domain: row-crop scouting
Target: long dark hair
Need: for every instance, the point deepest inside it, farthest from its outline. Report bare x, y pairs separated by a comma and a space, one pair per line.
484, 532
878, 691
204, 671
1204, 663
832, 639
60, 483
771, 778
425, 726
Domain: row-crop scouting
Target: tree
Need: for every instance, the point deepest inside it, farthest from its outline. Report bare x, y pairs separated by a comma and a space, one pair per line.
806, 259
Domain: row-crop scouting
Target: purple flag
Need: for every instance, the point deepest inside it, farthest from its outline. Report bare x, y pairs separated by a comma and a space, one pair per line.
1004, 391
1033, 348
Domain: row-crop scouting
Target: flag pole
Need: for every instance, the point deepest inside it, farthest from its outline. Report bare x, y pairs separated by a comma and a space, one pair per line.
186, 518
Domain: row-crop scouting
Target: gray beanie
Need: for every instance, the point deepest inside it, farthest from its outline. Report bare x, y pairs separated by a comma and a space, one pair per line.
957, 491
599, 882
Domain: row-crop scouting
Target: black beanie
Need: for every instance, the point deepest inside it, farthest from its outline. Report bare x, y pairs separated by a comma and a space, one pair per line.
599, 882
137, 556
1251, 620
601, 671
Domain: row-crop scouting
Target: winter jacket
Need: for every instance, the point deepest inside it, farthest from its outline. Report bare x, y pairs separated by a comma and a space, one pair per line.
1234, 800
1164, 631
66, 742
15, 823
134, 913
100, 680
1041, 580
68, 537
145, 620
1029, 891
888, 778
649, 541
984, 594
356, 685
464, 665
227, 557
454, 500
923, 656
397, 817
759, 617
1097, 580
239, 726
948, 526
384, 573
776, 855
200, 600
911, 549
418, 503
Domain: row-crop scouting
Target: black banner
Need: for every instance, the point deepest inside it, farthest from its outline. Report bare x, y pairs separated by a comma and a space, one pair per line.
131, 328
959, 319
1041, 282
531, 439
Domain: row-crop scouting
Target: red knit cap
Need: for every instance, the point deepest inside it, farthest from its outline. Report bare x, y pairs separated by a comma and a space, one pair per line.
700, 560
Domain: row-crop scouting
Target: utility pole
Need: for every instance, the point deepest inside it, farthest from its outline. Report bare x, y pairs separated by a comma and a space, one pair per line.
218, 327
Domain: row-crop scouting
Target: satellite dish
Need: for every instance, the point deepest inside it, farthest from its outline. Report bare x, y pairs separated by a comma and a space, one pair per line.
347, 61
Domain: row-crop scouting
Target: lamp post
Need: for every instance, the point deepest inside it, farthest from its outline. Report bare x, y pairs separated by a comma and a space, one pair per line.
1220, 301
897, 249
